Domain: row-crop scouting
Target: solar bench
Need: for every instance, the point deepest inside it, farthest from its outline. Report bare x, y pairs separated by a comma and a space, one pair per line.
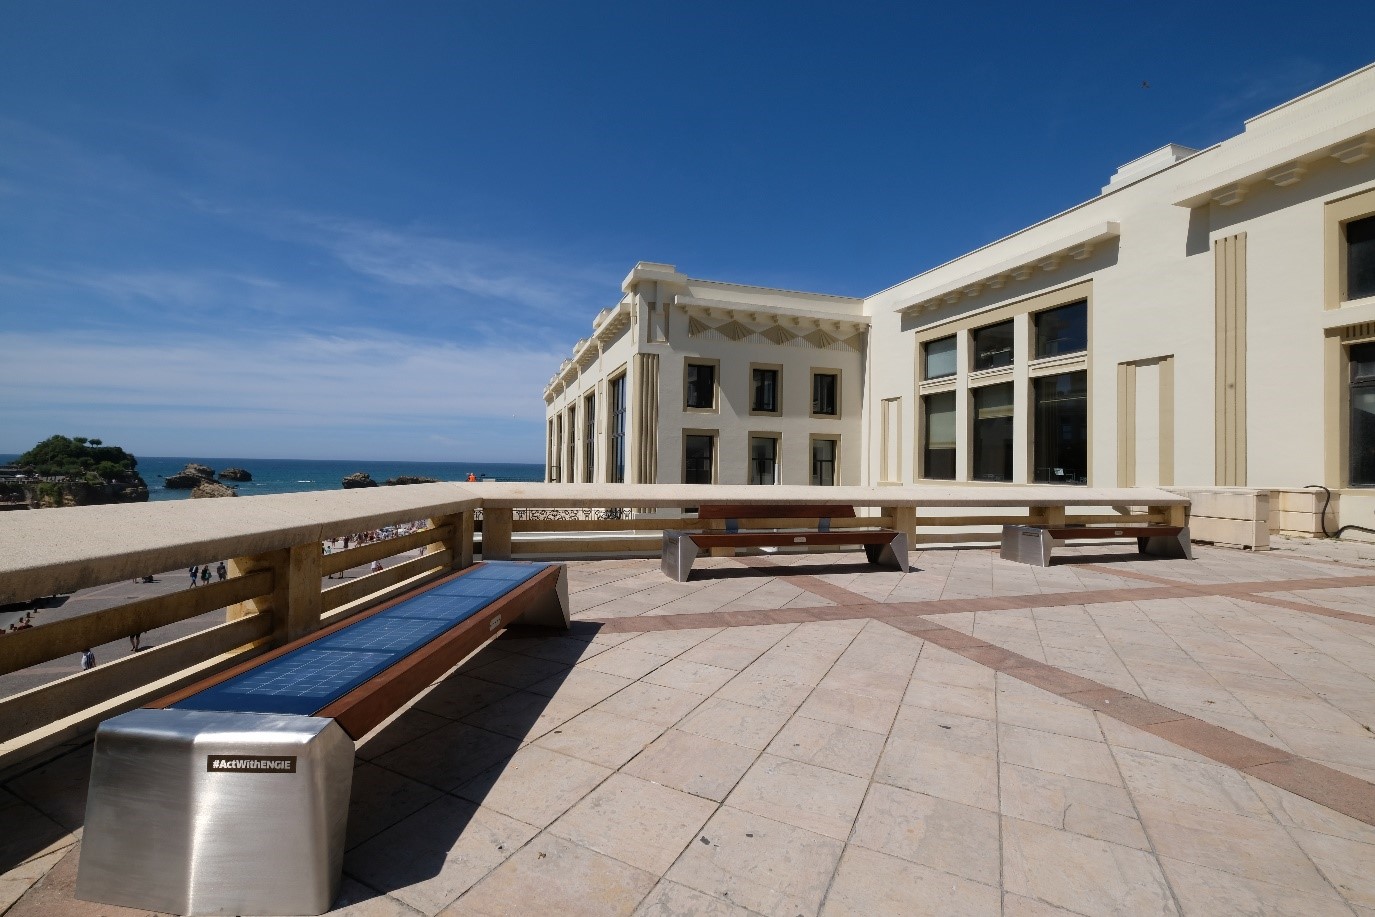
1032, 544
231, 796
681, 548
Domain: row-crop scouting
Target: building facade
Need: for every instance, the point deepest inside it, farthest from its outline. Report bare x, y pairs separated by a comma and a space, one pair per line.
1207, 320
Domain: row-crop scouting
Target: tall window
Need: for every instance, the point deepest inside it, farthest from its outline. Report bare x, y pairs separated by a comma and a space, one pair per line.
938, 451
615, 430
823, 462
551, 453
993, 433
939, 358
589, 439
1363, 415
556, 472
697, 458
1061, 438
701, 385
764, 390
993, 346
824, 391
763, 460
1062, 330
571, 469
1360, 258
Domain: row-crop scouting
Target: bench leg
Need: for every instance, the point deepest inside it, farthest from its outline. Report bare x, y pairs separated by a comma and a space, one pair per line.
1026, 544
1176, 546
552, 610
892, 554
676, 556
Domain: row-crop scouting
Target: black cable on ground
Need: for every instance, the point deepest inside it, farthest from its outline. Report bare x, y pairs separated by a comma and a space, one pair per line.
1326, 501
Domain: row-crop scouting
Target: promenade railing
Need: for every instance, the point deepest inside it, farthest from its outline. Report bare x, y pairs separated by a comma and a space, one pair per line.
279, 585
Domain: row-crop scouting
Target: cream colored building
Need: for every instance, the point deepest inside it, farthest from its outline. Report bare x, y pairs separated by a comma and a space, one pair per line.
1207, 320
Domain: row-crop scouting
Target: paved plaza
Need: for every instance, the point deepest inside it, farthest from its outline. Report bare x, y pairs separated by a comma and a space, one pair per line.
805, 734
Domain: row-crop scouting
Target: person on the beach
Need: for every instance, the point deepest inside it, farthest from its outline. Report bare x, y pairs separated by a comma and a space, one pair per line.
134, 641
205, 575
87, 660
471, 476
194, 572
222, 571
377, 566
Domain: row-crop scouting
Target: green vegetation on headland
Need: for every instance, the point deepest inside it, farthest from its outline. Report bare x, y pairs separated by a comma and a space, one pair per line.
74, 471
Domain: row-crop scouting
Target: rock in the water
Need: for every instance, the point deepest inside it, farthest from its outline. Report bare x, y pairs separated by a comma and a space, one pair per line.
359, 479
235, 474
409, 479
208, 489
193, 474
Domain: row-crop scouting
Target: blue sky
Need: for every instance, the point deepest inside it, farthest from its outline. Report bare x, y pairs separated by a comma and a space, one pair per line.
372, 231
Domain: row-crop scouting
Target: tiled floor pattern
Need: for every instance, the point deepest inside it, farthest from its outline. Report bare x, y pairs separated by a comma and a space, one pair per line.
894, 763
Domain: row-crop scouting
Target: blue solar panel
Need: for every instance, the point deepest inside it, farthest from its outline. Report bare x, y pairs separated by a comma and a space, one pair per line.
307, 679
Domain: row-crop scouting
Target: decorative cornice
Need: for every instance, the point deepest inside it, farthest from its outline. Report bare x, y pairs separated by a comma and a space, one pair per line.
1077, 247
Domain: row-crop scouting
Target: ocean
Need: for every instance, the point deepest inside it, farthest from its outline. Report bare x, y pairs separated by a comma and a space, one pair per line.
283, 476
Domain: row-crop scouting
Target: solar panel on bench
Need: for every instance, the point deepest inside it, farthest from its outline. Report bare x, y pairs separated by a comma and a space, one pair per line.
307, 679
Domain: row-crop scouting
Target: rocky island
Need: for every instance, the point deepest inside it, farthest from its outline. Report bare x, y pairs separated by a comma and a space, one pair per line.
358, 479
73, 471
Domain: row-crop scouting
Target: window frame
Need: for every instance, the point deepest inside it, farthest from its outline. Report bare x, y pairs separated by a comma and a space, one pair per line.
924, 447
617, 425
974, 333
777, 370
826, 371
589, 409
974, 434
812, 439
1035, 332
925, 366
715, 365
776, 437
713, 458
1353, 385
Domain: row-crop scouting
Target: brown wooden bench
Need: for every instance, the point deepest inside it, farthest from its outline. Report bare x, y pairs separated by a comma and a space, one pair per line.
757, 526
1031, 544
255, 763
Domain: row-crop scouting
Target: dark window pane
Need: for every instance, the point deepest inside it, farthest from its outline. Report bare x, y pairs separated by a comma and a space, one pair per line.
765, 397
1061, 438
617, 427
697, 450
824, 462
993, 346
940, 358
993, 433
1062, 330
938, 455
589, 460
1360, 258
701, 385
572, 451
824, 393
1363, 415
763, 460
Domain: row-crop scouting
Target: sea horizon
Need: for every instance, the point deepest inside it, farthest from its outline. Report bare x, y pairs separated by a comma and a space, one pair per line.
279, 476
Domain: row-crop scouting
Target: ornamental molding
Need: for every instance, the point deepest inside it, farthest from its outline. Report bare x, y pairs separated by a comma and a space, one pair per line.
1078, 246
753, 325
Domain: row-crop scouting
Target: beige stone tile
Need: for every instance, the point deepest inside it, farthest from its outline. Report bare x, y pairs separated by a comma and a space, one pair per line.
1037, 710
1058, 754
976, 702
765, 691
517, 671
763, 865
694, 764
830, 745
1080, 873
810, 797
670, 643
1212, 786
913, 764
535, 786
850, 709
651, 703
739, 724
801, 666
694, 677
625, 662
883, 685
934, 832
357, 900
723, 655
449, 756
28, 833
1120, 735
1208, 891
524, 715
669, 899
1084, 807
1346, 864
759, 637
583, 686
600, 737
459, 695
637, 822
942, 729
379, 798
438, 853
551, 875
1249, 847
1017, 906
1297, 812
870, 884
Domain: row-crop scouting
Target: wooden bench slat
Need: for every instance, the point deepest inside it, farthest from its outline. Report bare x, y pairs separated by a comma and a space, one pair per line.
1108, 531
783, 539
